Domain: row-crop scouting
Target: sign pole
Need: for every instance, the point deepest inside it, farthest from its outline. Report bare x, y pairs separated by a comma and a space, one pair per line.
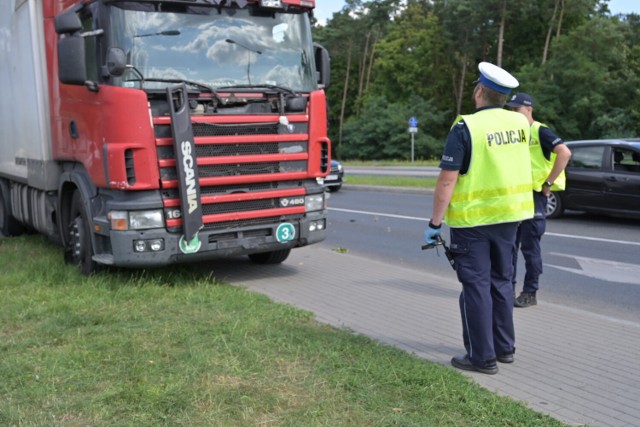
412, 145
413, 129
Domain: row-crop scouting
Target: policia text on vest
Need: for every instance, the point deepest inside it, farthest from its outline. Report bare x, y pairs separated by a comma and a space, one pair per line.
506, 137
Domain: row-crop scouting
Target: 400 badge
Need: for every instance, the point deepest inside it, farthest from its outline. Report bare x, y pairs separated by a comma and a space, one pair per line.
291, 201
285, 232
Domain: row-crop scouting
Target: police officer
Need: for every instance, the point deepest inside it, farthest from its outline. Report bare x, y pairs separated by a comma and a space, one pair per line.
549, 157
482, 193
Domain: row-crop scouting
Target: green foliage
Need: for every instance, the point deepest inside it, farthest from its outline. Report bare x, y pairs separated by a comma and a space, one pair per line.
589, 86
580, 89
411, 59
381, 131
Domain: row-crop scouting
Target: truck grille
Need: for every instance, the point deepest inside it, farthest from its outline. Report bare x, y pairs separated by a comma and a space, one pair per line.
250, 205
240, 169
213, 129
257, 155
236, 149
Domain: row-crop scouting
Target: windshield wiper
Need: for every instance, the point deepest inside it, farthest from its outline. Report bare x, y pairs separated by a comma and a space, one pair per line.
188, 82
279, 89
161, 33
288, 99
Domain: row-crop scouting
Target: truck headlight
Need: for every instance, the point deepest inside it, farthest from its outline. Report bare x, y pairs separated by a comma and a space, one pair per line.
136, 220
140, 220
316, 225
314, 202
152, 245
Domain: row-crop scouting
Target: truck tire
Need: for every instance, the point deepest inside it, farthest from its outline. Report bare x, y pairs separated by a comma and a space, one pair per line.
274, 257
78, 250
9, 226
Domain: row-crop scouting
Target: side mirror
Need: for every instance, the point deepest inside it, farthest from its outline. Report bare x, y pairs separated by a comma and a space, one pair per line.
71, 60
68, 22
116, 61
71, 50
323, 65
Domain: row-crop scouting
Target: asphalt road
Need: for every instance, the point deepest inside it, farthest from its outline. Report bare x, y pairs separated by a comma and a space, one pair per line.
590, 262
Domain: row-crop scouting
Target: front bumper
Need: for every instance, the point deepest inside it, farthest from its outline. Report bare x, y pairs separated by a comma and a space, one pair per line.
215, 244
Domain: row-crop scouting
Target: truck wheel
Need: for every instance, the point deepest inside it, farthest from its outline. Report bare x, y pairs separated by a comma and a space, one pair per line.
554, 205
275, 257
9, 226
78, 250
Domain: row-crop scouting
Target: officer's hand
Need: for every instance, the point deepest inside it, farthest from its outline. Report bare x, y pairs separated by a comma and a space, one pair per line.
432, 234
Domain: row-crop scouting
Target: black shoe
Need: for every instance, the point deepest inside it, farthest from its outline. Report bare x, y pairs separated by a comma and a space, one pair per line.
463, 362
526, 299
506, 358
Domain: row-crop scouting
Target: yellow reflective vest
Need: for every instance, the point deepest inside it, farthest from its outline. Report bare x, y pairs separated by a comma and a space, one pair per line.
540, 166
498, 186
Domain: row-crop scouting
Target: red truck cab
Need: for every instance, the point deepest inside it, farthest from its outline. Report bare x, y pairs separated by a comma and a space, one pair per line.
176, 131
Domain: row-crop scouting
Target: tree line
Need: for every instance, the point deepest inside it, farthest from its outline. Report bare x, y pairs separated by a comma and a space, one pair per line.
394, 59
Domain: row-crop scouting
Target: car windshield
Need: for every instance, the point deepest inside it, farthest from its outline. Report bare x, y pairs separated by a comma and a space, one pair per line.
215, 46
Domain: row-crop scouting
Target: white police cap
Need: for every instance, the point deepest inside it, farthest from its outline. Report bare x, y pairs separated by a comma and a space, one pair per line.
496, 78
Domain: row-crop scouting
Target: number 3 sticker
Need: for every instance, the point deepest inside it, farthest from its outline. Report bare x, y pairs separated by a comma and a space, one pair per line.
285, 232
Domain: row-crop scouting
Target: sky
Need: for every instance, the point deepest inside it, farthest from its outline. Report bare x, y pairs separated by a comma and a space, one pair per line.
326, 8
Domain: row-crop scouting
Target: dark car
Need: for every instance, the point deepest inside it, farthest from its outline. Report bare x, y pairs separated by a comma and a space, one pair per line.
603, 176
333, 181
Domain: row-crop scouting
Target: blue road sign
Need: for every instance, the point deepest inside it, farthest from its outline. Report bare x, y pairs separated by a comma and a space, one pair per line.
413, 122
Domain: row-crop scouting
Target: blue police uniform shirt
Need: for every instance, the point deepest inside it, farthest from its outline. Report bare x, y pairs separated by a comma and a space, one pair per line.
456, 155
548, 141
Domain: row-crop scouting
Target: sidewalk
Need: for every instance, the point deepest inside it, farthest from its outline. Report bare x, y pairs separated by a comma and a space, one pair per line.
580, 368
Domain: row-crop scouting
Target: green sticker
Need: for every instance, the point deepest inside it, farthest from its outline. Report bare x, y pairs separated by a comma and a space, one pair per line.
285, 232
190, 247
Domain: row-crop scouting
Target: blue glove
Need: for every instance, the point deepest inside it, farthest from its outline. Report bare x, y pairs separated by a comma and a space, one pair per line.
432, 234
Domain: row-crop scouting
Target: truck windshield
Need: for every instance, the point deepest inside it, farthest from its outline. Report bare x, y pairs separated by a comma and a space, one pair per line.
215, 46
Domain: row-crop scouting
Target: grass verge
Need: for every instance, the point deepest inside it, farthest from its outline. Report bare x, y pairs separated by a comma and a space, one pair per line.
373, 163
174, 347
390, 181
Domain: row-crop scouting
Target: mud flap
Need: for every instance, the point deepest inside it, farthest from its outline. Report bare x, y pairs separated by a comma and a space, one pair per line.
187, 168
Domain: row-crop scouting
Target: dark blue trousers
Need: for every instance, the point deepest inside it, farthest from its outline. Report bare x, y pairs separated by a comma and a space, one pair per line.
528, 241
484, 259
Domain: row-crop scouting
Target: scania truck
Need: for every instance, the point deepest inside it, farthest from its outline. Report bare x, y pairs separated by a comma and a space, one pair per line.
141, 133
